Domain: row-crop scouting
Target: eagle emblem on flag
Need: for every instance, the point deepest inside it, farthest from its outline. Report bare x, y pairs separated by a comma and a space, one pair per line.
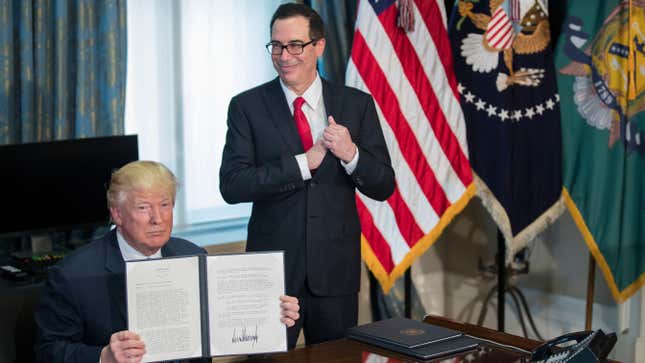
513, 27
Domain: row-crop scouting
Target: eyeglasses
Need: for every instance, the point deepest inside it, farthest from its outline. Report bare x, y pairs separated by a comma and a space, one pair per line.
293, 48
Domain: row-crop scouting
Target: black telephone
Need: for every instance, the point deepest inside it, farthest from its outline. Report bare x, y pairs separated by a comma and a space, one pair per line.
590, 347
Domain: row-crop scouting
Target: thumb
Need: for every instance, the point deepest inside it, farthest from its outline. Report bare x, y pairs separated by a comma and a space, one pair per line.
331, 120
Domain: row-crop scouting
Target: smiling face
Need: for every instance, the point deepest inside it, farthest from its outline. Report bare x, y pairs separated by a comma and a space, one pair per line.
144, 219
297, 72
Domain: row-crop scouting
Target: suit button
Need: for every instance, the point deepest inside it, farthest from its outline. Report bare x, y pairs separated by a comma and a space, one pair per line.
313, 184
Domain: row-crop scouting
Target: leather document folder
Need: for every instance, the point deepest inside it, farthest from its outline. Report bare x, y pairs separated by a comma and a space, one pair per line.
411, 337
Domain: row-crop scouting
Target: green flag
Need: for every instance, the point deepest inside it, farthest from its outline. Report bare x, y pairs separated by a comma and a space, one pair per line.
600, 60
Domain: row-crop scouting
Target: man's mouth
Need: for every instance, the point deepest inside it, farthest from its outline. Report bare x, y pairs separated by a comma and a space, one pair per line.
286, 67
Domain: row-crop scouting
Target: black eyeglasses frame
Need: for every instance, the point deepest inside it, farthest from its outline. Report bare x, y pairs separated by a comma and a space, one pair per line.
277, 44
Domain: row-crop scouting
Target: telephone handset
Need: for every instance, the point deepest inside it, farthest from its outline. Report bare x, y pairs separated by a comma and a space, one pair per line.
590, 347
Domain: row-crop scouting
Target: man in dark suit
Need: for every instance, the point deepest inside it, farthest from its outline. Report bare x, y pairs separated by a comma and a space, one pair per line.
298, 147
82, 315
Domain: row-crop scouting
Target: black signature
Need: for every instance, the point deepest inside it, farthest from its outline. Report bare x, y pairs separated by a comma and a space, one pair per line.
245, 336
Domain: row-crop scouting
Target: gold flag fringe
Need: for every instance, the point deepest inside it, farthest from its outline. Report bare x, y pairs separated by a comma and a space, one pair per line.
500, 217
387, 280
619, 296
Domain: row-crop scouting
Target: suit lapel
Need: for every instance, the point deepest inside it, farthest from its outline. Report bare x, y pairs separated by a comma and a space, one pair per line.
168, 251
115, 265
332, 102
276, 103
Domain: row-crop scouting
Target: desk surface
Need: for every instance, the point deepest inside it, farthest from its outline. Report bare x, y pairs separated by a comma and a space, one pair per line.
503, 348
350, 351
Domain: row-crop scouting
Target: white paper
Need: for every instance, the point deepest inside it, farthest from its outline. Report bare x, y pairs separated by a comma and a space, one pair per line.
164, 307
244, 303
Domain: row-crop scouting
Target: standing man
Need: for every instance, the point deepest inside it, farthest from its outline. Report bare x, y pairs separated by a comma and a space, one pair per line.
82, 315
298, 147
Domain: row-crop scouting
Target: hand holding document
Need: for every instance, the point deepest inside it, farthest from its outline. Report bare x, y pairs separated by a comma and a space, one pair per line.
202, 306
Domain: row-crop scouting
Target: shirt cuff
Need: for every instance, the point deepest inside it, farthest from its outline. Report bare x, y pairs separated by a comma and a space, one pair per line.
349, 167
304, 166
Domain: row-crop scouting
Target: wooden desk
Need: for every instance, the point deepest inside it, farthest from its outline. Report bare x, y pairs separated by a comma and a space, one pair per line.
503, 348
494, 335
350, 351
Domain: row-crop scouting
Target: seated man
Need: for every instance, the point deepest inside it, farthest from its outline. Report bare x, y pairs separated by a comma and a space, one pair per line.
82, 315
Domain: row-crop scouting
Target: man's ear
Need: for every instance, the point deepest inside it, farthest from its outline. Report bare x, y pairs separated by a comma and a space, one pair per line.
320, 47
115, 213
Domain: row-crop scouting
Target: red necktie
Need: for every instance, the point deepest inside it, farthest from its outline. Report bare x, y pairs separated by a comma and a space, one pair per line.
302, 124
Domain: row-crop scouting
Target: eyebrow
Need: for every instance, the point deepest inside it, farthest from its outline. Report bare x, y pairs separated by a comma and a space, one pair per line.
291, 41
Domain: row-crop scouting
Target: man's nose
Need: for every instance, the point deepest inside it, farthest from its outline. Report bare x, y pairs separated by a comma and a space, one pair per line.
285, 55
155, 215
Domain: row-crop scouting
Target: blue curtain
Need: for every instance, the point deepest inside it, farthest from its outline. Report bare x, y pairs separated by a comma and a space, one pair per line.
62, 69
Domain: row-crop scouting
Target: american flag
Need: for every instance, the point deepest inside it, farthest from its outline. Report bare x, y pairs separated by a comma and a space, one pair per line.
401, 55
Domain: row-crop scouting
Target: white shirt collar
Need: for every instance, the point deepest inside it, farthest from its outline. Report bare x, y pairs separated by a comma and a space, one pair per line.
312, 95
129, 253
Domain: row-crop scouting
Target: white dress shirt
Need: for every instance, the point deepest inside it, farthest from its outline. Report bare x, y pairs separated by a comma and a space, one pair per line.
129, 253
314, 110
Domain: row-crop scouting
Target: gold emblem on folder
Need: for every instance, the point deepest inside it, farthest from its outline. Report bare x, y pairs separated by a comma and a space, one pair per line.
412, 332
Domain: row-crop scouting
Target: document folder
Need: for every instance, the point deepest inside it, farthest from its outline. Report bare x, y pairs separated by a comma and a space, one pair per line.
411, 337
195, 306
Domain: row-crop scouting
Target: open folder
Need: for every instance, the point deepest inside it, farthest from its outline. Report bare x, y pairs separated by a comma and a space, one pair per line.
414, 338
202, 306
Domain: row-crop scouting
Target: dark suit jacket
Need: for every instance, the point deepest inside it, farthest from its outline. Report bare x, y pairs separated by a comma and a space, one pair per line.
84, 300
315, 222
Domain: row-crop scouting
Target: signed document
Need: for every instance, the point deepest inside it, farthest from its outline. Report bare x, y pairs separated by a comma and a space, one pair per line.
202, 306
242, 292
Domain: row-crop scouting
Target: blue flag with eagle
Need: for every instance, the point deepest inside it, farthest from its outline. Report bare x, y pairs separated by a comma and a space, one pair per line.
506, 79
601, 64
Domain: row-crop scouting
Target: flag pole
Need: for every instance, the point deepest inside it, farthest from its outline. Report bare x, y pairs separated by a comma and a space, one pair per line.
501, 280
591, 278
408, 293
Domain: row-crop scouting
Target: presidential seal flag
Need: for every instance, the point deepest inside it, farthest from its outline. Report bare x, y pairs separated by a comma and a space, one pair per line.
601, 64
504, 67
401, 56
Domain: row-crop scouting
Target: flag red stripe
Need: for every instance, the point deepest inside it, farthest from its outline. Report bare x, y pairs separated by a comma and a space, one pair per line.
408, 226
430, 13
385, 97
379, 245
415, 73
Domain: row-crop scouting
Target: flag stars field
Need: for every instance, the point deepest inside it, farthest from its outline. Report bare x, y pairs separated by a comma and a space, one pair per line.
516, 115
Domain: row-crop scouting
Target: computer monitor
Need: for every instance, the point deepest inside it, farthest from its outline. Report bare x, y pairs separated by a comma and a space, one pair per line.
59, 185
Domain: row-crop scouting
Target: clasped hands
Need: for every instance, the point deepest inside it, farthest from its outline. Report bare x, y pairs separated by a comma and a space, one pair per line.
335, 138
126, 346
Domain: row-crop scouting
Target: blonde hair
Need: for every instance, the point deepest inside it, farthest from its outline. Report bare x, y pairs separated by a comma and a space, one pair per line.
140, 175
